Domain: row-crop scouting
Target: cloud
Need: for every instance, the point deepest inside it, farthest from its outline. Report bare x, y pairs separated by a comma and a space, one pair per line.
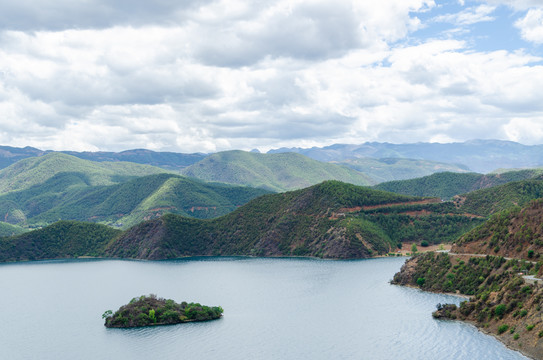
217, 75
531, 26
469, 16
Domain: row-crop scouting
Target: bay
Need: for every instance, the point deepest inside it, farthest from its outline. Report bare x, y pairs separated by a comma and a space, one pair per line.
273, 309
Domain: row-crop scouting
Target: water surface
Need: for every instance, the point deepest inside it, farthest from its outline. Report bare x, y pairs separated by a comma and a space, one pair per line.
273, 309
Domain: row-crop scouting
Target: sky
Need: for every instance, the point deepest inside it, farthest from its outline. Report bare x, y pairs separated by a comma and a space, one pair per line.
213, 75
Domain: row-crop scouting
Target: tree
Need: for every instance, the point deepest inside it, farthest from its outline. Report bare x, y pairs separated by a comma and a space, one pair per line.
107, 314
414, 248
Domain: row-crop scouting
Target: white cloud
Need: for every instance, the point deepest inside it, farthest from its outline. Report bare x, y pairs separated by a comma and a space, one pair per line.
469, 16
531, 26
224, 74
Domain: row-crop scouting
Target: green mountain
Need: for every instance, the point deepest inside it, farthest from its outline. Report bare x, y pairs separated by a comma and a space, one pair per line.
330, 220
36, 170
446, 185
275, 172
486, 202
68, 196
64, 239
512, 233
390, 169
167, 160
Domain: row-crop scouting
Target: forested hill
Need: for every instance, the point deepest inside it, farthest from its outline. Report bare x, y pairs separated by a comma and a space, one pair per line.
328, 220
307, 222
68, 196
446, 185
515, 233
167, 160
36, 170
275, 172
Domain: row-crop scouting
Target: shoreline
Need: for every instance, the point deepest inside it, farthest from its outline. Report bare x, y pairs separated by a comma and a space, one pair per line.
472, 323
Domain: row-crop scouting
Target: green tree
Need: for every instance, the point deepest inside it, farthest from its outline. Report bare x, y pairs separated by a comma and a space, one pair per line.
414, 248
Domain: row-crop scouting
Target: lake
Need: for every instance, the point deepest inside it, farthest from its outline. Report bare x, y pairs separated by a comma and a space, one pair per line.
273, 309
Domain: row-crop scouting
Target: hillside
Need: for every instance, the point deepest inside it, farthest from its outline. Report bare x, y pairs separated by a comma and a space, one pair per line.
68, 196
515, 233
275, 172
390, 169
478, 155
329, 220
163, 159
36, 170
500, 265
10, 155
486, 202
64, 239
502, 302
446, 185
167, 160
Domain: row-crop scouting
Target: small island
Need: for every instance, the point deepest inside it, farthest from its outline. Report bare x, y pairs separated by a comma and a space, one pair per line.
150, 311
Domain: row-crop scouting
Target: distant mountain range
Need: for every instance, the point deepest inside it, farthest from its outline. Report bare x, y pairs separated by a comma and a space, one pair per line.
167, 160
379, 162
481, 156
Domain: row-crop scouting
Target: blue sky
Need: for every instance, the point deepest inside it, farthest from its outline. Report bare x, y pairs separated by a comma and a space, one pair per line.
212, 75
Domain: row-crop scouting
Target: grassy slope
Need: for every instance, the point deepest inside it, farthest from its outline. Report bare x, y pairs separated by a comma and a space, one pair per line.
67, 196
446, 184
391, 169
32, 171
276, 172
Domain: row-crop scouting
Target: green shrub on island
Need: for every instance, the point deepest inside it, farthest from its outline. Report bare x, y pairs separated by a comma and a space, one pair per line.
150, 310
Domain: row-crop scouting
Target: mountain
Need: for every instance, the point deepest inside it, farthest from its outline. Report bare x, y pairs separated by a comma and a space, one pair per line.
275, 172
389, 169
486, 202
514, 233
330, 220
68, 196
502, 302
478, 155
36, 170
10, 155
167, 160
64, 239
446, 184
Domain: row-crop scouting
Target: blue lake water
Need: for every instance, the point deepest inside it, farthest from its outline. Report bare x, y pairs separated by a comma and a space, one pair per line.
273, 309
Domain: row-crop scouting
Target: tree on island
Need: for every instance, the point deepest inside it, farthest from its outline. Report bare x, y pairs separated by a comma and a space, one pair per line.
150, 310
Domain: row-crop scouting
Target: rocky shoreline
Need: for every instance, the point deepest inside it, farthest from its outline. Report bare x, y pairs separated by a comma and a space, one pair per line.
501, 303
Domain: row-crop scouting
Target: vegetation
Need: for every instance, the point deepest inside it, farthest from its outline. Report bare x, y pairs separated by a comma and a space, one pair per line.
500, 298
516, 232
478, 155
36, 170
328, 220
446, 185
64, 239
68, 196
390, 169
275, 172
151, 311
